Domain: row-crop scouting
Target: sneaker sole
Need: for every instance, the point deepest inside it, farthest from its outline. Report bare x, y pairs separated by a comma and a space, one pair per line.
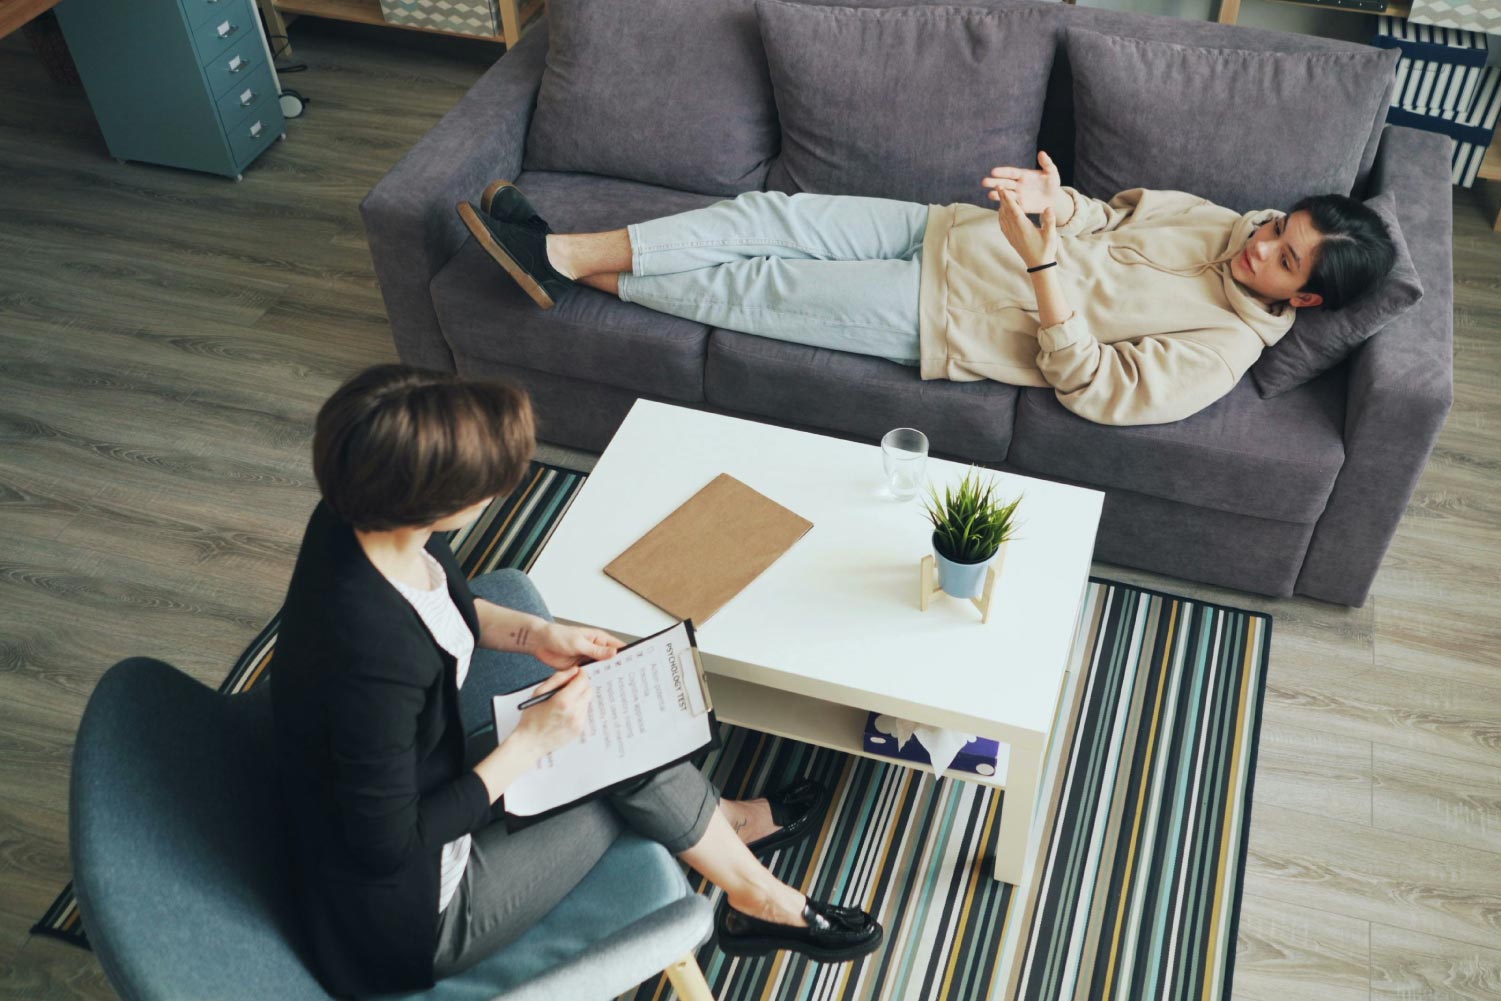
764, 946
482, 236
488, 198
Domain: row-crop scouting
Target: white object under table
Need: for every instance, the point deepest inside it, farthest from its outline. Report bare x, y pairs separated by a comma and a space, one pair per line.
833, 628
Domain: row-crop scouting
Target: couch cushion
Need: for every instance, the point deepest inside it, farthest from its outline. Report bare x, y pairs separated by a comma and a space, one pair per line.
1273, 459
1321, 338
915, 103
588, 335
856, 395
670, 92
1245, 129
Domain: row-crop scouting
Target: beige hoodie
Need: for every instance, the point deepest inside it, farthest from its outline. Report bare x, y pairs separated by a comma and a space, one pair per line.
1159, 331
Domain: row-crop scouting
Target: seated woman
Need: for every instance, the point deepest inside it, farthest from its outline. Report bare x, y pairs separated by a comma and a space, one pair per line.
1141, 310
403, 873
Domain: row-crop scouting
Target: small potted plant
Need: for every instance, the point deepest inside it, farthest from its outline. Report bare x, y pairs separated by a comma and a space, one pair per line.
971, 524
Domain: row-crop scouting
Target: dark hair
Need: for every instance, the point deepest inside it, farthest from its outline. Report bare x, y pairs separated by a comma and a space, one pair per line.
1356, 251
397, 446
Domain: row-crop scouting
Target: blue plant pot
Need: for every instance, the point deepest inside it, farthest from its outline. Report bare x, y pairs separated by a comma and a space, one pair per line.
961, 580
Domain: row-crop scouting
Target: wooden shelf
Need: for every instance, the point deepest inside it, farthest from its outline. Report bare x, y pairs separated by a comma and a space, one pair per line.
1402, 8
369, 12
1229, 12
1490, 167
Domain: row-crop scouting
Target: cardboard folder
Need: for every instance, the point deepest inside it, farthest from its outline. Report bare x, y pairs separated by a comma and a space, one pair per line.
708, 550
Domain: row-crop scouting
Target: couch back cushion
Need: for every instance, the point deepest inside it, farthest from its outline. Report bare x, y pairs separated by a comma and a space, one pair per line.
667, 92
1321, 338
1245, 129
915, 103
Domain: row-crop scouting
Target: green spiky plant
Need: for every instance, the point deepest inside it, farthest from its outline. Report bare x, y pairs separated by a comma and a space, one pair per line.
970, 523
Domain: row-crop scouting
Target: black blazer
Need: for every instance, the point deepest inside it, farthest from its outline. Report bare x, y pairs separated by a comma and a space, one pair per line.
370, 751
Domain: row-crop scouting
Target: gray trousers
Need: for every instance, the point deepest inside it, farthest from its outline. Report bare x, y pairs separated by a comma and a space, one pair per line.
514, 879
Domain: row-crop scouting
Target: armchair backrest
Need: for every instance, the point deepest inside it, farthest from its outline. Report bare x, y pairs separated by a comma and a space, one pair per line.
177, 845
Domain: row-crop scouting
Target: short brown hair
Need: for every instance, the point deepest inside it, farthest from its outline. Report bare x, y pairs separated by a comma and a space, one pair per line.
397, 446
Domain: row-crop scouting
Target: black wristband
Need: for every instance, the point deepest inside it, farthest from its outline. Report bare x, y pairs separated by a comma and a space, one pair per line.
1042, 267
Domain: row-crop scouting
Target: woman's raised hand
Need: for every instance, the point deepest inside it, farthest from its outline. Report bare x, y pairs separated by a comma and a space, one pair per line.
1035, 190
1035, 246
557, 722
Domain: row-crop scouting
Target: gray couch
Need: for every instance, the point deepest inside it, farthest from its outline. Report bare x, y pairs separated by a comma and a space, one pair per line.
1297, 493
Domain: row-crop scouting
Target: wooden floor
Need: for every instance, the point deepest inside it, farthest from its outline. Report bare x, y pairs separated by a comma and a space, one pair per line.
165, 339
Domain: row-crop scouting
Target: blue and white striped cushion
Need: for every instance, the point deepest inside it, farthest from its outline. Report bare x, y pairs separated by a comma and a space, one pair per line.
1424, 41
1426, 85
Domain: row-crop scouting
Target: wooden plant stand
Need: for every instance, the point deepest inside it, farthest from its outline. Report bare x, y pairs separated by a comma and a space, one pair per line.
930, 586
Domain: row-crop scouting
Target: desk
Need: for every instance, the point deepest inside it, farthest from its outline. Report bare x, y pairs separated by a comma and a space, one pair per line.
14, 13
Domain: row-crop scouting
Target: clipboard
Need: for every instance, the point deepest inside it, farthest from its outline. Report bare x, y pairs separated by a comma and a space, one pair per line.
516, 821
704, 553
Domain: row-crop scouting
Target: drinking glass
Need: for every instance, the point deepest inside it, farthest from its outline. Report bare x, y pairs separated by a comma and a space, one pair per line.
904, 453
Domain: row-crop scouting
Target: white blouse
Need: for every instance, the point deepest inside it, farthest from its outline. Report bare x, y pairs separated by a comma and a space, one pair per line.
441, 616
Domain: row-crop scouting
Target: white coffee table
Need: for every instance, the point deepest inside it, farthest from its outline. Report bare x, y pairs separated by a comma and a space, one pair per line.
833, 628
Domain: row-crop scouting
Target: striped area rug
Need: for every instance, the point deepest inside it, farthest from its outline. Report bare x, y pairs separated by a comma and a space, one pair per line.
1138, 883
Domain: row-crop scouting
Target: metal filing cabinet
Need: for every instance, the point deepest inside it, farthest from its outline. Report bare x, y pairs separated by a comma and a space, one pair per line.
184, 83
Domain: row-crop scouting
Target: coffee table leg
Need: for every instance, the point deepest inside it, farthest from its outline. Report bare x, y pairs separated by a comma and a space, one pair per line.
1023, 775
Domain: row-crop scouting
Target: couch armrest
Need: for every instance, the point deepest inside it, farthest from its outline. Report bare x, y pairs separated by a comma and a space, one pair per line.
1401, 381
409, 215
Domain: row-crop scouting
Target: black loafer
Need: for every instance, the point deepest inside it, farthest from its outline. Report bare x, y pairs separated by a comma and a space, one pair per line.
834, 934
504, 202
521, 250
797, 810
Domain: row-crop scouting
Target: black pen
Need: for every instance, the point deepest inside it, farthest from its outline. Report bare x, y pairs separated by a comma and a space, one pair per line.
537, 700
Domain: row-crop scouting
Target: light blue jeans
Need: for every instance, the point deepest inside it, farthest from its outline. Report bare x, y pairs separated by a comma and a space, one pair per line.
830, 271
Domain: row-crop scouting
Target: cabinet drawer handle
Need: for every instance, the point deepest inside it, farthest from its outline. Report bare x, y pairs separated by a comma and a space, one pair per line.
247, 98
226, 29
236, 64
255, 129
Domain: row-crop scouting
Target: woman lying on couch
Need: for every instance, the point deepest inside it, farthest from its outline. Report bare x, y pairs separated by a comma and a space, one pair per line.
1141, 310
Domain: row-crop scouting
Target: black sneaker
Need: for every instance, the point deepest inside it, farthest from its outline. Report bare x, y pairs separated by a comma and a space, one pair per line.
504, 202
834, 934
521, 250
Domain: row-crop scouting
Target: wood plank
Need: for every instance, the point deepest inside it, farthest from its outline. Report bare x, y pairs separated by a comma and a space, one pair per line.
1443, 799
35, 859
1318, 773
44, 968
1392, 879
1409, 967
1404, 709
1285, 951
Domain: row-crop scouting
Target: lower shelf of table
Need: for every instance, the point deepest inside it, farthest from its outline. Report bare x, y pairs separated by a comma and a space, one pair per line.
814, 721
